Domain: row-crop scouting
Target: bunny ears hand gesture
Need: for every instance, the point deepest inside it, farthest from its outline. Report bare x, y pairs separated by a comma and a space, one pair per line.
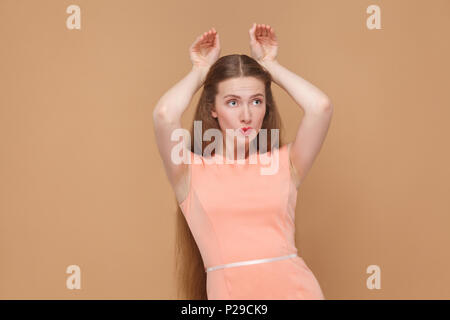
263, 42
205, 50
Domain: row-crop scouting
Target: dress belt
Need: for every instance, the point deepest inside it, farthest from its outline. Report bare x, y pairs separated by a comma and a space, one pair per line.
248, 262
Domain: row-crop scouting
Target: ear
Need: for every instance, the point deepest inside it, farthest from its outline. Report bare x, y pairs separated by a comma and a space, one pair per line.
214, 114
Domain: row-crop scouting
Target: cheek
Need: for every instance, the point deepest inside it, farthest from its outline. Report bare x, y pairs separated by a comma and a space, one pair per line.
227, 116
261, 114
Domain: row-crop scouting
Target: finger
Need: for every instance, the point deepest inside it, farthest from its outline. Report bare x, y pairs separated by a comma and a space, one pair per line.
210, 36
266, 30
217, 44
257, 31
215, 40
272, 32
213, 35
205, 36
252, 32
203, 39
195, 43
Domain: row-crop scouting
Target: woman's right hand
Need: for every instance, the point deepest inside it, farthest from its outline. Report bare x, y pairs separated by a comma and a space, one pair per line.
205, 50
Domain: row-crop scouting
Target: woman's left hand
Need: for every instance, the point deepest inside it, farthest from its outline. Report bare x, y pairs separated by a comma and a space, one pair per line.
263, 43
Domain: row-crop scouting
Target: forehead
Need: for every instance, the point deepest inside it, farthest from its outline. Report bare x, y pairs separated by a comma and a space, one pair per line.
243, 87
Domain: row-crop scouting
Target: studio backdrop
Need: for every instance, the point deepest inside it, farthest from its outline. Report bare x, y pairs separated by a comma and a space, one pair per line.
84, 198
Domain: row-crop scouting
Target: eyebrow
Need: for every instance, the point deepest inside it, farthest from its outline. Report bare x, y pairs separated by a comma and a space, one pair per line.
235, 96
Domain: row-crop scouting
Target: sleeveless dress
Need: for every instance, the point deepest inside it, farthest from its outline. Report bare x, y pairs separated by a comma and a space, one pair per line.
238, 216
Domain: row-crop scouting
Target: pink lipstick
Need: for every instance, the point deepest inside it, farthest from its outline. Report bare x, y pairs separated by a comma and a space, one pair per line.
246, 130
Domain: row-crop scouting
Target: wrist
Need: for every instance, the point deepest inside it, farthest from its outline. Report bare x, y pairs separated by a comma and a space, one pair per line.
200, 71
268, 63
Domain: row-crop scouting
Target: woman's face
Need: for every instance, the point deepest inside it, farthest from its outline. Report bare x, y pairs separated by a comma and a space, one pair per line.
240, 103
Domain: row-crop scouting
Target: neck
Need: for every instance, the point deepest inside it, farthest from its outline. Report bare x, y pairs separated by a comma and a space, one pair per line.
231, 151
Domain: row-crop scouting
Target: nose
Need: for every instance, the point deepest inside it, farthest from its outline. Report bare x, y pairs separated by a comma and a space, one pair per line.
246, 116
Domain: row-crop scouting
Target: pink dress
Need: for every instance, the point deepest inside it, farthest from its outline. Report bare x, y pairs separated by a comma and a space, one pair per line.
239, 216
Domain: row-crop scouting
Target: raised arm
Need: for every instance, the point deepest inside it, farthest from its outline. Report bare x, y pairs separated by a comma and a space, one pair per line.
317, 107
170, 107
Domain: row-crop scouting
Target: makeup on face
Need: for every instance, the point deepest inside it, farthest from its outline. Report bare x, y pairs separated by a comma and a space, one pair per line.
246, 131
240, 106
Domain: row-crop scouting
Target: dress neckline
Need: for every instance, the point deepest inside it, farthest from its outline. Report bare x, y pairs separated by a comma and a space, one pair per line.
238, 162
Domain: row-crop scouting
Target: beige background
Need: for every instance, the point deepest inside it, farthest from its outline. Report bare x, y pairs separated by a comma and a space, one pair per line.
81, 181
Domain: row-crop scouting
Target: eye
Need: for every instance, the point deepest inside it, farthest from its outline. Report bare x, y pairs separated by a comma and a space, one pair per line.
260, 101
231, 101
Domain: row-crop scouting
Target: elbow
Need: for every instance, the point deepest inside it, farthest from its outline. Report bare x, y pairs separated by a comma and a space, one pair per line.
159, 113
321, 107
326, 105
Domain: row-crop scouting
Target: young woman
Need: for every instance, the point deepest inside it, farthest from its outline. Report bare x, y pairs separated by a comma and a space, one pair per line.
235, 226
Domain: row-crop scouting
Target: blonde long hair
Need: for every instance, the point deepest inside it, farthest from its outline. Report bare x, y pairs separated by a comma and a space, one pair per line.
189, 267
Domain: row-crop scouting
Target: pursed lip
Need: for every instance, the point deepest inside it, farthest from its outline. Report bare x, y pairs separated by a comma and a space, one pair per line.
246, 130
